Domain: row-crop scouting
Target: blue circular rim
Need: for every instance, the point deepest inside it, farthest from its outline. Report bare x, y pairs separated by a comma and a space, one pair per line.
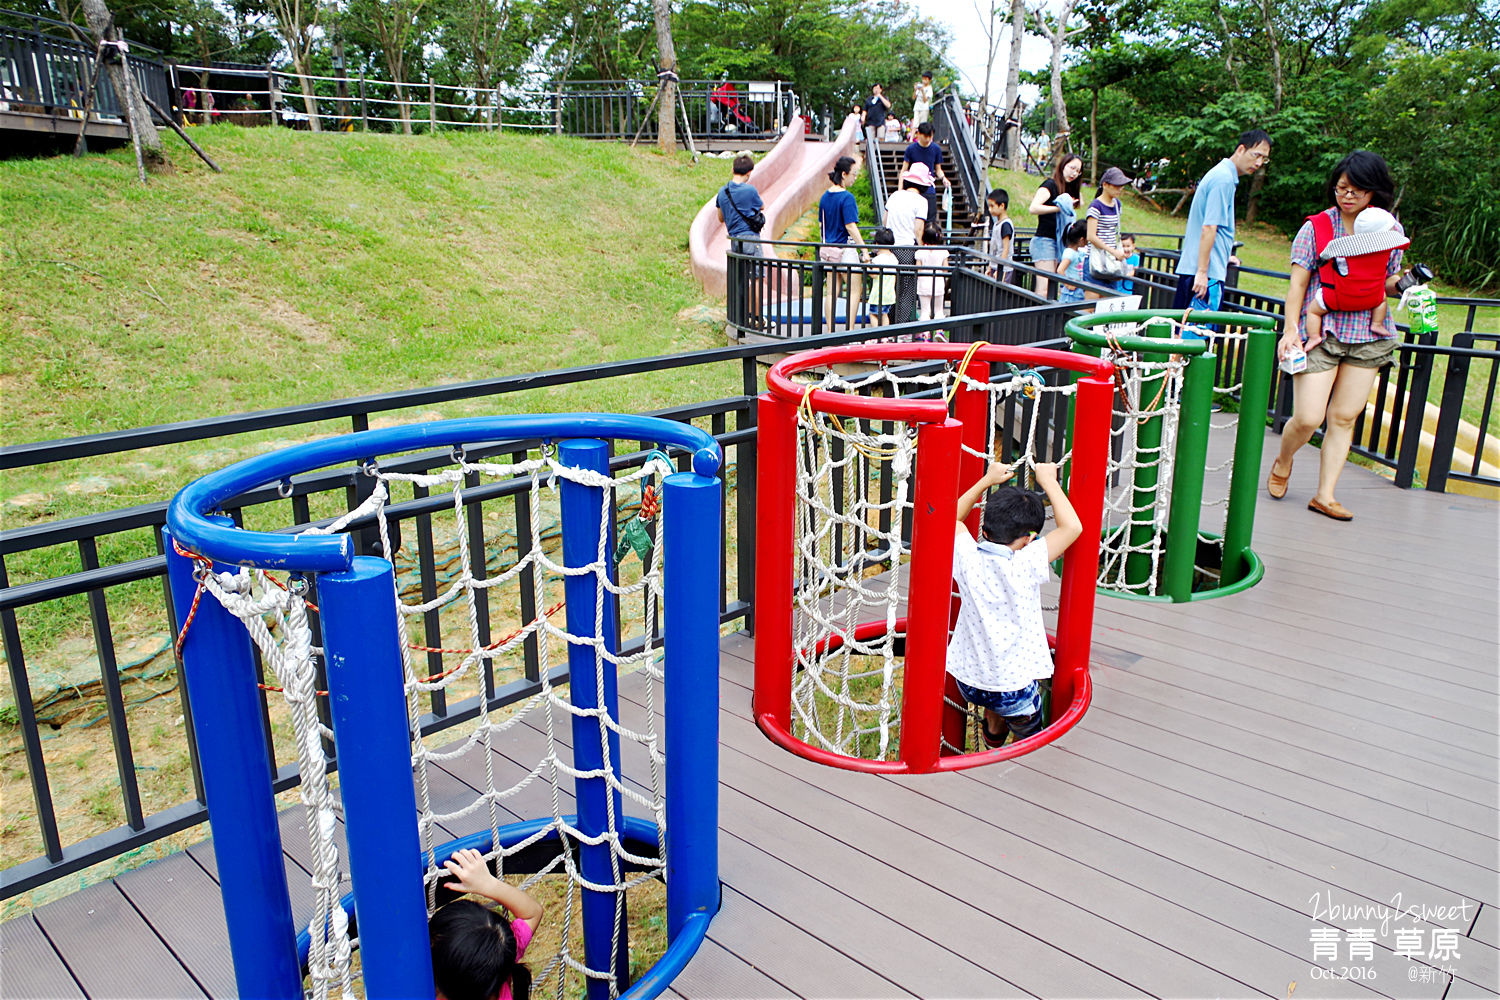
192, 526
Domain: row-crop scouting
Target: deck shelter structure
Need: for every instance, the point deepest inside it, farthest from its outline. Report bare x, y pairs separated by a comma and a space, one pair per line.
45, 69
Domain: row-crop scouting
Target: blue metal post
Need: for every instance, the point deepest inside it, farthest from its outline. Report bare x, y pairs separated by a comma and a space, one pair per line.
691, 506
366, 686
593, 686
219, 670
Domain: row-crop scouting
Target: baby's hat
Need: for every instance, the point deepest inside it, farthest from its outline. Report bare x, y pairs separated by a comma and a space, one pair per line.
1374, 220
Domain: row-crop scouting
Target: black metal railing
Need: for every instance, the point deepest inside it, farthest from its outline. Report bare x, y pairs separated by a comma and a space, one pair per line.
616, 109
795, 293
46, 65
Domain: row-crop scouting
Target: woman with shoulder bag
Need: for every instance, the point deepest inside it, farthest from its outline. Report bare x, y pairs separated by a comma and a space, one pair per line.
1106, 259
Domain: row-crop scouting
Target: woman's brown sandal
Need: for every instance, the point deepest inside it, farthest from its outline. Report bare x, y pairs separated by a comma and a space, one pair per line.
1276, 485
1332, 509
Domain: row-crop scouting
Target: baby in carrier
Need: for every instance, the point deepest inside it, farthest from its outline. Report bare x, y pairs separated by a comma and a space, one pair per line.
1352, 270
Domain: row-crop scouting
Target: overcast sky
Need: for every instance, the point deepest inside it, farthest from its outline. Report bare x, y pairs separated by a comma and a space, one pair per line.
967, 51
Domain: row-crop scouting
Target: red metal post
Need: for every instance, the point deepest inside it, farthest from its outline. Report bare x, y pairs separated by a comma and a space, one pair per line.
1075, 619
775, 505
931, 576
971, 407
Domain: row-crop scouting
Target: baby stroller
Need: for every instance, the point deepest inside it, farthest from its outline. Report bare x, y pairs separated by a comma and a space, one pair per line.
725, 113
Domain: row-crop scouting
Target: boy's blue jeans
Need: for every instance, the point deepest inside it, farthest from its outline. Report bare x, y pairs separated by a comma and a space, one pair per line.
1026, 701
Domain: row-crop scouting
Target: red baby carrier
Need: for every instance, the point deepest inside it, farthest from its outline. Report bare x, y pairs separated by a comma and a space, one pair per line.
1355, 283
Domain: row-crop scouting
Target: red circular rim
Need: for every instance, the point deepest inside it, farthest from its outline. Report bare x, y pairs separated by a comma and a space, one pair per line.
1083, 697
911, 411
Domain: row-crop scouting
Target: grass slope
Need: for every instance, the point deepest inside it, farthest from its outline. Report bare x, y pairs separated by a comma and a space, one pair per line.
321, 266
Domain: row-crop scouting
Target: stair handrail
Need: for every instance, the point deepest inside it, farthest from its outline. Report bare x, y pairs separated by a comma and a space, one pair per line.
876, 171
952, 130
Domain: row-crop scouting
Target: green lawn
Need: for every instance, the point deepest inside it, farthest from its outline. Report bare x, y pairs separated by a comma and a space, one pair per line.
323, 266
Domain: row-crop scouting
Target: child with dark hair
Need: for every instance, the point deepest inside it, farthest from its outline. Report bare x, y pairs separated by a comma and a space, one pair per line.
1074, 265
1000, 231
1132, 261
932, 287
476, 953
998, 650
883, 285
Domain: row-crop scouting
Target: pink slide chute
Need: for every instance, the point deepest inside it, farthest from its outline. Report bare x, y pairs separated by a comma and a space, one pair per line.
790, 179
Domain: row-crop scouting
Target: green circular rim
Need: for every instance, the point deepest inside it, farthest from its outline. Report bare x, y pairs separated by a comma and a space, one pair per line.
1255, 571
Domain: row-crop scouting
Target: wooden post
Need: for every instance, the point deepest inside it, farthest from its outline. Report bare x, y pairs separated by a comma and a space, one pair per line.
499, 113
274, 93
432, 107
364, 105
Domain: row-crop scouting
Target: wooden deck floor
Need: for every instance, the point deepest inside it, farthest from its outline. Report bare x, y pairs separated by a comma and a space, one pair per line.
1256, 771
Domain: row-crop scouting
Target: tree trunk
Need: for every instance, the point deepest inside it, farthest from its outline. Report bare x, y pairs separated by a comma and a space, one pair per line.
309, 99
1058, 35
102, 23
1257, 181
1013, 79
666, 99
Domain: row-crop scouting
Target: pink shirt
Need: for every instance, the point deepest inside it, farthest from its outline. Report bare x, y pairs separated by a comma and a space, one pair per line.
522, 930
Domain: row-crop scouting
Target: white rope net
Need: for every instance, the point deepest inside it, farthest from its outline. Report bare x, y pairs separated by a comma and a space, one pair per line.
853, 516
1150, 390
518, 758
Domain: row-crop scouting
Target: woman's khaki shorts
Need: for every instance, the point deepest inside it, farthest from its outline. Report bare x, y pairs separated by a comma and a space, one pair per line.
1330, 353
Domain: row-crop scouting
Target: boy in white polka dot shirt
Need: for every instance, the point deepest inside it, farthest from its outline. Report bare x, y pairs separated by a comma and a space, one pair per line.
998, 650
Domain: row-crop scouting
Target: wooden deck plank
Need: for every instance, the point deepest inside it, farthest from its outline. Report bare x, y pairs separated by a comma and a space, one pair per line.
1236, 851
1312, 826
1251, 780
783, 952
1264, 618
1285, 671
1213, 919
1320, 774
110, 948
875, 937
716, 972
30, 966
1237, 680
1486, 927
183, 905
1037, 932
1180, 687
1335, 648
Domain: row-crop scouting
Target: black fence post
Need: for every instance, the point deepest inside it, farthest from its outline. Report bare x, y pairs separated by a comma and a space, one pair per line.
818, 282
1415, 399
1450, 409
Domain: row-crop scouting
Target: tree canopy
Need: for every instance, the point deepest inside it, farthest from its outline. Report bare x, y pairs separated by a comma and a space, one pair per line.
1413, 80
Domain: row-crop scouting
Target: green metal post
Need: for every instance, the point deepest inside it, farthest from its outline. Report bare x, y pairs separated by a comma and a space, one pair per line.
1249, 441
1143, 501
1191, 461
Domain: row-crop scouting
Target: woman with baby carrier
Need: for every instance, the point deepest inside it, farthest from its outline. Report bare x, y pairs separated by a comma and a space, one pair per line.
1340, 277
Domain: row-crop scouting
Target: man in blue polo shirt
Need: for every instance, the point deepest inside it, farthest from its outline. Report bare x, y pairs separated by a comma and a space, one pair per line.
923, 149
1208, 243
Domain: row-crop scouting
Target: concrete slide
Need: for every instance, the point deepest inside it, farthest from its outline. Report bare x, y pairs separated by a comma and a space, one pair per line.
791, 178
